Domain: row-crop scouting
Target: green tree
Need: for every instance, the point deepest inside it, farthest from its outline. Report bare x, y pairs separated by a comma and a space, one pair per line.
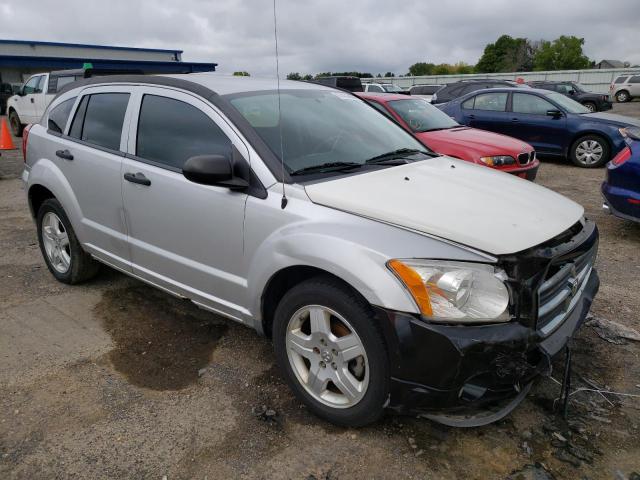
421, 68
507, 54
294, 76
241, 74
564, 53
389, 74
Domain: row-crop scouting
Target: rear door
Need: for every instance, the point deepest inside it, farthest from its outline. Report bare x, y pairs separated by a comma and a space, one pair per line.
89, 152
530, 122
487, 111
183, 236
634, 86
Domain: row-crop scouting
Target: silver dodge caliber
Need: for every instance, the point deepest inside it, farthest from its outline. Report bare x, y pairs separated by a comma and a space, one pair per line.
386, 276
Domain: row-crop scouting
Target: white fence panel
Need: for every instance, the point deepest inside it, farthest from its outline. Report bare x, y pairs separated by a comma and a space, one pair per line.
597, 80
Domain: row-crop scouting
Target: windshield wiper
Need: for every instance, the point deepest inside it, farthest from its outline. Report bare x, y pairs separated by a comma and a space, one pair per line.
400, 153
328, 167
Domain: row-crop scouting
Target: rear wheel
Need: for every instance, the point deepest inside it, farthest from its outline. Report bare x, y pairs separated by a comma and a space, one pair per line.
333, 355
16, 126
590, 151
64, 256
590, 106
623, 96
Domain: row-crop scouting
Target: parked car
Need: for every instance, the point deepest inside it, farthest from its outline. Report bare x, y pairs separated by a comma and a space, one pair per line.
625, 87
31, 100
458, 89
595, 102
352, 84
28, 105
424, 91
621, 189
439, 132
384, 88
6, 91
385, 275
552, 123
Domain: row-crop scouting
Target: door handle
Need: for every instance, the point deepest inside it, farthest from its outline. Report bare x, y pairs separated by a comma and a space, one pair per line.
515, 119
138, 178
66, 154
471, 116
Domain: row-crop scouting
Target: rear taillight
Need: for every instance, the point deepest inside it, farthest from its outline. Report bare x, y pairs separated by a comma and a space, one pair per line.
623, 156
25, 138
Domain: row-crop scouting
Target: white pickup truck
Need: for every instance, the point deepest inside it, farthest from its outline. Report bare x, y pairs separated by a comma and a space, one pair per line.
29, 104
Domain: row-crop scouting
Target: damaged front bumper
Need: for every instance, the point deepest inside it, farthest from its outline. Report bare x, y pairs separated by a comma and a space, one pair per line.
467, 375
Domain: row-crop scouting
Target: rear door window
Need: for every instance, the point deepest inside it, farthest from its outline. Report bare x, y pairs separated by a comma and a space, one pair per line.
531, 104
374, 88
635, 79
494, 102
59, 115
99, 119
171, 131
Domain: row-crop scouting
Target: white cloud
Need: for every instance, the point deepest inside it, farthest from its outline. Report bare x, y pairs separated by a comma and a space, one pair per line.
366, 35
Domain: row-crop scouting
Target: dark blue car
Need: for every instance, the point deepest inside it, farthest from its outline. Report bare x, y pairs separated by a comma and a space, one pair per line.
549, 121
621, 189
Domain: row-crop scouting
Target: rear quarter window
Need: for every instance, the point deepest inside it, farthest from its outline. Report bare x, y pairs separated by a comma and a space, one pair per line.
621, 79
59, 115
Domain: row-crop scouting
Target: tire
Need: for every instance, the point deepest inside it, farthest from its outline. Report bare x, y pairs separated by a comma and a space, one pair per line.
585, 150
591, 106
623, 96
16, 126
52, 221
370, 370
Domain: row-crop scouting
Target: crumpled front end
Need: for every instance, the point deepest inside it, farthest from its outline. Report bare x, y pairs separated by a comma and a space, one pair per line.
469, 375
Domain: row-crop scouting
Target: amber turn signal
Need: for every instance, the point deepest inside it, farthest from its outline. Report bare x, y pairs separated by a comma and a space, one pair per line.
414, 284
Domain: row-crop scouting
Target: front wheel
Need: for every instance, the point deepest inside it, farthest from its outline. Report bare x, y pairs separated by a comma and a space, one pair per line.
623, 96
590, 151
590, 106
16, 125
331, 352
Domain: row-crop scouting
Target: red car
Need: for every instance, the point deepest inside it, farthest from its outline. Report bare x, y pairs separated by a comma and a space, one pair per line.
442, 134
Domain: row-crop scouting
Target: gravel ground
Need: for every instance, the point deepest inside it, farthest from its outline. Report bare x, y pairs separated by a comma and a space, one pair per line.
114, 379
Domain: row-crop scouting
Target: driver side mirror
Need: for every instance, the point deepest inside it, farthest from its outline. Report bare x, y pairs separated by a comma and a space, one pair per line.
215, 170
21, 92
571, 92
554, 113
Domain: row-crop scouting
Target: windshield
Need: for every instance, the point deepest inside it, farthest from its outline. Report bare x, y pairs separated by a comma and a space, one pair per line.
421, 116
321, 127
567, 104
389, 88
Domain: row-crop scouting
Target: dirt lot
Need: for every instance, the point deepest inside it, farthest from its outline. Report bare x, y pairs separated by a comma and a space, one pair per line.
114, 379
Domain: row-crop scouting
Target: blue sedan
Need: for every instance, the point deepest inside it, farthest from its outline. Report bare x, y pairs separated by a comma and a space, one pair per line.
621, 189
552, 123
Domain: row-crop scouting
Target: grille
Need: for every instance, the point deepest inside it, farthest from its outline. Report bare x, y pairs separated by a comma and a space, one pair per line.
525, 158
561, 290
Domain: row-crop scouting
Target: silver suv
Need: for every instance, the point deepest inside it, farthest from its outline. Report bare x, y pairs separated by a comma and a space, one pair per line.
625, 87
385, 275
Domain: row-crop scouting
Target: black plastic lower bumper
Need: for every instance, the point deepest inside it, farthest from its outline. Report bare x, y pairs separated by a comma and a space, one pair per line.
454, 368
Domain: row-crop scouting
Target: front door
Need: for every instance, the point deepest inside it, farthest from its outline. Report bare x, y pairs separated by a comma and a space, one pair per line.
531, 123
27, 103
183, 236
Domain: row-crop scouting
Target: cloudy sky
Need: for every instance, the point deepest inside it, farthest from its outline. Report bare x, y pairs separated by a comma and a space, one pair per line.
327, 35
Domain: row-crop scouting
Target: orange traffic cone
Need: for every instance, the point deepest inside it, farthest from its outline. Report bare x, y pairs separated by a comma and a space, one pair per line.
6, 143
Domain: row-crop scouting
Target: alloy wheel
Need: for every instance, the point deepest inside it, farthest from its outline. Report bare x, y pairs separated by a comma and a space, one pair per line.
327, 356
589, 152
56, 242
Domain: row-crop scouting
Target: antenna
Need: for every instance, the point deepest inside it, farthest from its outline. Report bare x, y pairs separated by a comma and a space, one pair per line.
284, 201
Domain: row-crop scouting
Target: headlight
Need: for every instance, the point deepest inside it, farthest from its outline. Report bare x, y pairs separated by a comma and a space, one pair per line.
498, 160
623, 132
455, 292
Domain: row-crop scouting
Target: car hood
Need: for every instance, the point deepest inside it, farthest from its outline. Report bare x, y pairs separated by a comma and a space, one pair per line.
612, 118
474, 140
459, 201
